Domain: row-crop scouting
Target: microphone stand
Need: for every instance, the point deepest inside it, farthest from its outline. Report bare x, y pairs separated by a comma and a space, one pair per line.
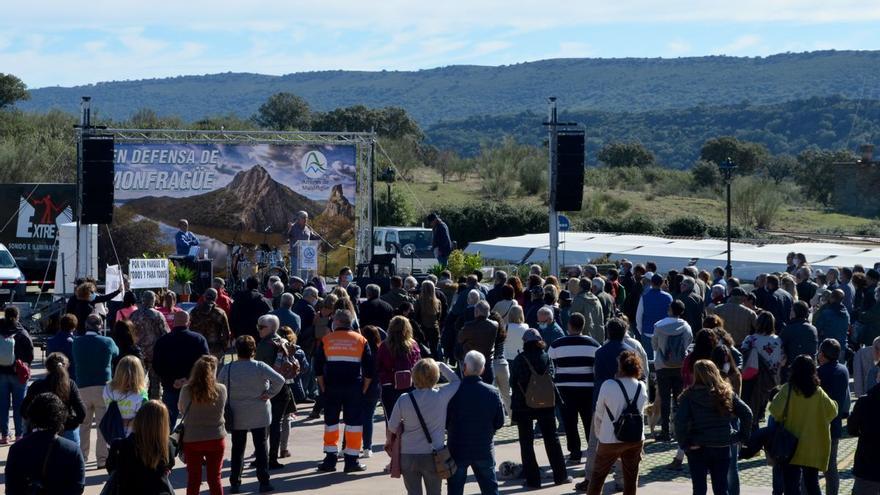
325, 241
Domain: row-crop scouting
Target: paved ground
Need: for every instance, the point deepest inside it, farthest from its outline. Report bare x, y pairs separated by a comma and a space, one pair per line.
299, 475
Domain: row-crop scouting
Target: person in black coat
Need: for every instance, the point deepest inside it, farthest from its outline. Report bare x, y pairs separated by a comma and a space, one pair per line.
84, 301
174, 355
375, 311
248, 307
43, 457
520, 373
862, 423
58, 382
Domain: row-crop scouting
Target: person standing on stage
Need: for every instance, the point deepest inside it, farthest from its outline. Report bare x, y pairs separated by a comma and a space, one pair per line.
184, 239
441, 242
298, 230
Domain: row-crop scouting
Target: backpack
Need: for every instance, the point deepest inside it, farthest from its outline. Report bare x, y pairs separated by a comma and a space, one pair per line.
674, 351
112, 426
540, 392
630, 425
7, 350
285, 363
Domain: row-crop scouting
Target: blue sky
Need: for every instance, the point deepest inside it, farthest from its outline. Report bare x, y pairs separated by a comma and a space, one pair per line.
56, 42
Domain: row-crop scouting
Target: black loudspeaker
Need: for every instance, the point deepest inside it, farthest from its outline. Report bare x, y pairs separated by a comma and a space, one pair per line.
204, 276
97, 180
569, 171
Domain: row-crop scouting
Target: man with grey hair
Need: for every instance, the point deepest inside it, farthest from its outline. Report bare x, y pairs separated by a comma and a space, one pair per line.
547, 326
375, 311
298, 230
694, 308
536, 270
473, 416
590, 271
208, 320
149, 325
270, 348
699, 286
605, 299
479, 334
494, 294
285, 313
277, 289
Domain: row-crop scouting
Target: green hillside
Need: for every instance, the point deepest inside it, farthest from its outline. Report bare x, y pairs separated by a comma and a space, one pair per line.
460, 92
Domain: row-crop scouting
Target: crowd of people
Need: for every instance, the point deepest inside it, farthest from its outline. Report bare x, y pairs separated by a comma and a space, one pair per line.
701, 355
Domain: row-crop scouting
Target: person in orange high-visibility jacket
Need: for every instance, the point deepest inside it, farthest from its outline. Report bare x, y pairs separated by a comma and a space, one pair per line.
342, 363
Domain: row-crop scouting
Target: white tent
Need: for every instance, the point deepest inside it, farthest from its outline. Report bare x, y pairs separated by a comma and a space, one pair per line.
748, 260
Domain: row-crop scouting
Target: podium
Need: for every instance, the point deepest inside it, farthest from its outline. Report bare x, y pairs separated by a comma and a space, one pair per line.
304, 260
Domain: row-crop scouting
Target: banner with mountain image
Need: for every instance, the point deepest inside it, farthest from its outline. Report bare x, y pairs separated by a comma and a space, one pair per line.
236, 194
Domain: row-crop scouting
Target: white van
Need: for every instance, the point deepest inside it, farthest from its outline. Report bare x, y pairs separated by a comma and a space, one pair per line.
410, 245
10, 275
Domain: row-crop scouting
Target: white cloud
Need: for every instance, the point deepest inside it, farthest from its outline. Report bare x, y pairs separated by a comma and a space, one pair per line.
573, 49
741, 44
678, 47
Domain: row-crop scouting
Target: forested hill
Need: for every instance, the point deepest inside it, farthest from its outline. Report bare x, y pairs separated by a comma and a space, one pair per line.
676, 135
459, 92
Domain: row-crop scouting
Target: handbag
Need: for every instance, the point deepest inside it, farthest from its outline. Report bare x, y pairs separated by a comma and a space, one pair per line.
22, 371
443, 461
750, 371
176, 436
228, 416
782, 444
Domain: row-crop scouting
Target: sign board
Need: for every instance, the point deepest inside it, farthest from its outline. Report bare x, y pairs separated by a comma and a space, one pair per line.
308, 255
564, 223
148, 273
30, 223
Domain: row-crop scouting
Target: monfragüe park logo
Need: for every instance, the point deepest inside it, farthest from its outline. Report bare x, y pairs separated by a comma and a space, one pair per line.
314, 164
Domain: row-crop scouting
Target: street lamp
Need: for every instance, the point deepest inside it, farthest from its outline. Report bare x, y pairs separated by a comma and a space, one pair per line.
727, 167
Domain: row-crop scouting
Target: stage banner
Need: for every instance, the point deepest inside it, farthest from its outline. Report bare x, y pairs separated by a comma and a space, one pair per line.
238, 197
31, 217
148, 273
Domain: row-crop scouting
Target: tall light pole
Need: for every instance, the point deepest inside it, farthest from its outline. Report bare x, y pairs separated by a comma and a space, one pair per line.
553, 217
727, 167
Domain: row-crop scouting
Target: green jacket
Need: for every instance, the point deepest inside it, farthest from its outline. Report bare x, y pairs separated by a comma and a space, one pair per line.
809, 420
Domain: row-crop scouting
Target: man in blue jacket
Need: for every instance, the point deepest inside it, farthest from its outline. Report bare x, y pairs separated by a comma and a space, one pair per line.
834, 380
653, 307
441, 242
832, 321
473, 416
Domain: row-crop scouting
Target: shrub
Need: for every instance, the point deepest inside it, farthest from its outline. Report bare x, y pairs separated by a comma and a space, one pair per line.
755, 203
461, 264
395, 212
533, 176
705, 174
687, 226
633, 224
488, 220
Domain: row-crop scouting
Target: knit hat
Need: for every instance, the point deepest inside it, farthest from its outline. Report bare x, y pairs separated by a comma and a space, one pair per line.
531, 335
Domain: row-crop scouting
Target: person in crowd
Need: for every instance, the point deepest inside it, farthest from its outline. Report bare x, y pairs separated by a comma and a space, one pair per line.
704, 342
203, 399
633, 282
62, 341
724, 360
342, 364
250, 384
534, 360
548, 327
305, 308
149, 325
298, 230
703, 426
396, 357
375, 337
128, 389
346, 281
779, 302
832, 321
760, 381
209, 321
512, 346
480, 334
873, 278
694, 306
866, 368
615, 395
653, 307
862, 423
123, 335
57, 381
285, 313
142, 462
295, 386
869, 325
223, 301
564, 308
129, 306
494, 295
270, 349
718, 277
519, 293
94, 353
276, 289
798, 336
806, 288
834, 380
85, 299
473, 416
344, 303
169, 307
54, 461
789, 285
806, 411
429, 315
174, 355
606, 301
375, 311
671, 339
535, 302
248, 307
587, 304
416, 453
472, 297
397, 294
17, 347
573, 359
506, 301
441, 242
184, 240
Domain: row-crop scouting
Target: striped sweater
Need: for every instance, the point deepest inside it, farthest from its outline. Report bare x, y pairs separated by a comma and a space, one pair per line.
573, 358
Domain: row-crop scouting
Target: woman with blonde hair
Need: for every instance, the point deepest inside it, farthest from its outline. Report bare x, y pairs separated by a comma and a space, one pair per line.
140, 463
429, 315
202, 401
128, 389
703, 426
395, 359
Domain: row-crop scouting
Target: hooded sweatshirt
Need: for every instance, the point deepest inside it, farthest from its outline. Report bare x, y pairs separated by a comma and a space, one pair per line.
670, 341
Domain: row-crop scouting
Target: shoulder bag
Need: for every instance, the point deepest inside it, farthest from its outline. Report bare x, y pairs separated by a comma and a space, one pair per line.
176, 436
783, 444
443, 461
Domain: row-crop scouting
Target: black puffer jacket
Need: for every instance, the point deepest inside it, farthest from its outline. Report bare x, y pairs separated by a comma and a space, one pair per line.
699, 423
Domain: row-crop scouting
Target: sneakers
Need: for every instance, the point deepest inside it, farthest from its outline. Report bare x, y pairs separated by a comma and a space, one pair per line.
354, 467
366, 454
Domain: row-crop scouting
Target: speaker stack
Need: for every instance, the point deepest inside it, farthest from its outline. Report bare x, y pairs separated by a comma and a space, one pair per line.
569, 171
97, 180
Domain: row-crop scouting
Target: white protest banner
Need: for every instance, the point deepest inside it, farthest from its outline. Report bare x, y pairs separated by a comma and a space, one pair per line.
148, 273
308, 255
113, 281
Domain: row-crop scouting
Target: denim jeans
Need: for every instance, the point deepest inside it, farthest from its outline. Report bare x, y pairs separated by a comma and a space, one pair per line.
72, 435
791, 474
371, 399
10, 387
832, 477
714, 461
484, 472
646, 343
733, 472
